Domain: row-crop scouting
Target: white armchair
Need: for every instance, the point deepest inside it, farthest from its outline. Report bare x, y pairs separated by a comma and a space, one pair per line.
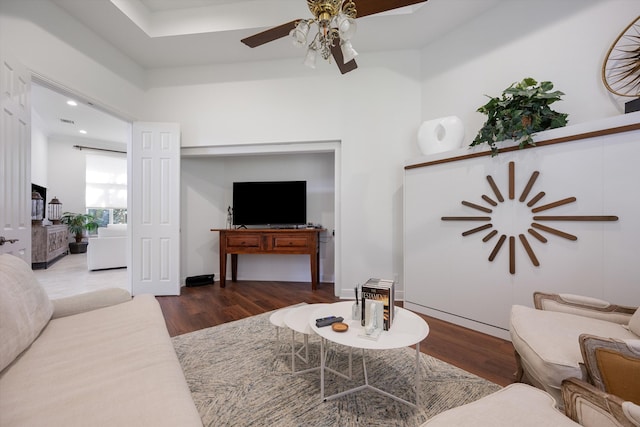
546, 339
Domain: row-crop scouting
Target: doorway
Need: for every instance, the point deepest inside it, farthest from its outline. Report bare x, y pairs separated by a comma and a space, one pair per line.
68, 134
210, 193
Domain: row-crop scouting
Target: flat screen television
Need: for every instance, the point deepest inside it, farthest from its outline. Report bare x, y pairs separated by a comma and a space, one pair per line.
270, 203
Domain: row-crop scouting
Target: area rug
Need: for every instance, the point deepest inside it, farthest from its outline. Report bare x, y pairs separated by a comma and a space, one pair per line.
240, 375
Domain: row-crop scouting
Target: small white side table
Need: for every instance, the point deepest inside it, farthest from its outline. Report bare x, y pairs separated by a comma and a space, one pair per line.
277, 320
407, 329
297, 319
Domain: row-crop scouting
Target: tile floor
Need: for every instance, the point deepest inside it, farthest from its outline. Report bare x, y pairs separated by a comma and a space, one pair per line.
70, 276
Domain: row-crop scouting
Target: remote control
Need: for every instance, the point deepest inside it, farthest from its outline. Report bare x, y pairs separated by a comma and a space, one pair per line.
323, 321
328, 321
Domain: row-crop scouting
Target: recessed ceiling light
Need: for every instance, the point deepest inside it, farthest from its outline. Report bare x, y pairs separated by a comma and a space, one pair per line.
72, 103
82, 131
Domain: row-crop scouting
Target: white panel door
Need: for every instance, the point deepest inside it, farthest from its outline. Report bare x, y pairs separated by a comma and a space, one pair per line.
15, 159
154, 208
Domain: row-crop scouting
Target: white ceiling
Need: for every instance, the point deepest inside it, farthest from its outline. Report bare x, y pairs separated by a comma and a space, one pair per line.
178, 33
175, 33
52, 108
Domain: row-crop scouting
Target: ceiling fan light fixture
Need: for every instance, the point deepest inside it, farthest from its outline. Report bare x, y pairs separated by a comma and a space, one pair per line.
348, 52
324, 17
299, 34
324, 9
335, 21
346, 26
310, 58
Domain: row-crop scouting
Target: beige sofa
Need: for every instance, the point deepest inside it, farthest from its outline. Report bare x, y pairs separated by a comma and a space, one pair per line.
99, 359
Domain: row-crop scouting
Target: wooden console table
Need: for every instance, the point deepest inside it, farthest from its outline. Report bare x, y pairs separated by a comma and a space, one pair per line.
268, 241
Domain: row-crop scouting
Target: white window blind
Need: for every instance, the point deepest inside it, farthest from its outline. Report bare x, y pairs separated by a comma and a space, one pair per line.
106, 178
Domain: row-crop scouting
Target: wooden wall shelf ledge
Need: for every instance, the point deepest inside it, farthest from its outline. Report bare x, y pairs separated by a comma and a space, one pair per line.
578, 132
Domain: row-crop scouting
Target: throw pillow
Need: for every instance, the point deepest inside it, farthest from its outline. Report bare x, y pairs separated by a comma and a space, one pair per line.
25, 308
617, 371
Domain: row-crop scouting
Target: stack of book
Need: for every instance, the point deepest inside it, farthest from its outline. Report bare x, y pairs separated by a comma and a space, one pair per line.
382, 291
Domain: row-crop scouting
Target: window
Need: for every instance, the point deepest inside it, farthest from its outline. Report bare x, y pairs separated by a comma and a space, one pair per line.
108, 216
106, 188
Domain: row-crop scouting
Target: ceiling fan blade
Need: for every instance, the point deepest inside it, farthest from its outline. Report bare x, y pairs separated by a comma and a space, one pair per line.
339, 58
370, 7
270, 35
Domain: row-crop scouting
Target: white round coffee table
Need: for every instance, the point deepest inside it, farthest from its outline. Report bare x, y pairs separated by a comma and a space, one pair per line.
407, 329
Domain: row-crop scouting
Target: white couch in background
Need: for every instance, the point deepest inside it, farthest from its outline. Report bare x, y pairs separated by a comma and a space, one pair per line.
109, 249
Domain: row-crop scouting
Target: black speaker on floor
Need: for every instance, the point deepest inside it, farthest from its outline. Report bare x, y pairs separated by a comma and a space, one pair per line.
204, 279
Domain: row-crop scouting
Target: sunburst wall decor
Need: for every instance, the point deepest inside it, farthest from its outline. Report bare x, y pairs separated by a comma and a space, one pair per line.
537, 229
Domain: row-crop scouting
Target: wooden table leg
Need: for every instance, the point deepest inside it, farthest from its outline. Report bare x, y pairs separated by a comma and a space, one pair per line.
234, 267
314, 270
223, 268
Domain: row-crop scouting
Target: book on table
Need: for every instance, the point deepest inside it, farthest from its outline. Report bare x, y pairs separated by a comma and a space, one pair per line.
383, 291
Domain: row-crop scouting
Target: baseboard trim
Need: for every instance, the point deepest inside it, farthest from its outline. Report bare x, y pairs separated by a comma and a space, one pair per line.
459, 320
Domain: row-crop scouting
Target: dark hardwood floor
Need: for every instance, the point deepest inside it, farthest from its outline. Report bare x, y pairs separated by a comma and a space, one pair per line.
201, 307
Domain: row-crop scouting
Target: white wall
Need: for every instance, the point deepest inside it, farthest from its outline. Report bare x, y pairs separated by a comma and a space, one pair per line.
560, 41
39, 152
207, 191
376, 109
58, 48
373, 112
67, 171
564, 42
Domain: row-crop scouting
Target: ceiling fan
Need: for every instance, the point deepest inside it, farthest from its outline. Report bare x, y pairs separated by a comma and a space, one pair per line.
335, 20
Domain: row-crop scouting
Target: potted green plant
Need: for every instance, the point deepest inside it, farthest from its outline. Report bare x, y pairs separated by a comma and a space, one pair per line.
77, 224
522, 110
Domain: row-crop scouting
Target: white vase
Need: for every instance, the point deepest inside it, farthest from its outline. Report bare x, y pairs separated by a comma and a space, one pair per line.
438, 135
